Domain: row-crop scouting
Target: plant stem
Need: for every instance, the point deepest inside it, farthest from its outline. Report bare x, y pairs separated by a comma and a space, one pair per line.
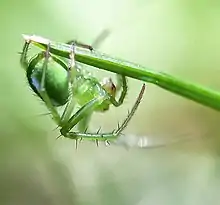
197, 93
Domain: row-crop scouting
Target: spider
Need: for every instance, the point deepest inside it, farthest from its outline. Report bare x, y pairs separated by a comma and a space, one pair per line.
61, 82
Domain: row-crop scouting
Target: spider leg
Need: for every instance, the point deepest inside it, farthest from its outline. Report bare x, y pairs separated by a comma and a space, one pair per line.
81, 114
23, 58
42, 92
98, 136
77, 43
95, 44
121, 82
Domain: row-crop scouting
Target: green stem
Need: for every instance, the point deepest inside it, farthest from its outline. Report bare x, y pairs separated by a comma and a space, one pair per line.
189, 90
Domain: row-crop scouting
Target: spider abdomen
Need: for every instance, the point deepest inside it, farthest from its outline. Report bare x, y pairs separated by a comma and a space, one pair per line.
56, 81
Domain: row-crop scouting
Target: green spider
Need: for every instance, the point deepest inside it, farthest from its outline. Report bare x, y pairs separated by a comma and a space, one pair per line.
61, 82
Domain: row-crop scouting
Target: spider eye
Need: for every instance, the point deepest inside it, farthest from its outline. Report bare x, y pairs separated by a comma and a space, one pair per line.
109, 86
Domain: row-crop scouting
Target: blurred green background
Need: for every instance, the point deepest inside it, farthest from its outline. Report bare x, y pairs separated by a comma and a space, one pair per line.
180, 37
